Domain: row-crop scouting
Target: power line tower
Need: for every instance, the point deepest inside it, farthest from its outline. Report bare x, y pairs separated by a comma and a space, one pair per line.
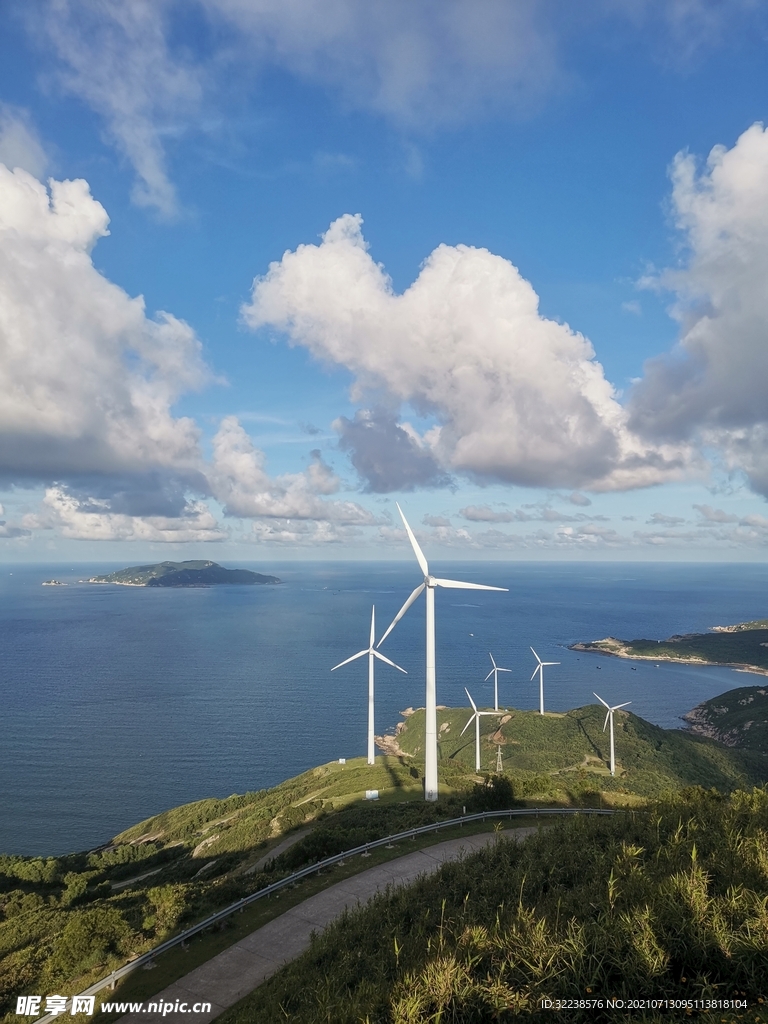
499, 766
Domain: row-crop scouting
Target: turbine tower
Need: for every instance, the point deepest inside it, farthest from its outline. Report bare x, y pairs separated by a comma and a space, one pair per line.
371, 655
476, 719
540, 669
605, 723
495, 673
429, 584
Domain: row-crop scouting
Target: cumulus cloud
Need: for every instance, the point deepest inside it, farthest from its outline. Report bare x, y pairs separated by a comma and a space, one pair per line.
436, 521
711, 387
577, 498
515, 397
87, 379
20, 145
92, 519
388, 455
240, 481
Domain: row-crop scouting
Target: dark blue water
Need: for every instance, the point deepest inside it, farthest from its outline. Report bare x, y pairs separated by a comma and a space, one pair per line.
118, 702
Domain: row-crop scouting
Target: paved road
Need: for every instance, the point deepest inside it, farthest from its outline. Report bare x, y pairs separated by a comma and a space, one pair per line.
235, 972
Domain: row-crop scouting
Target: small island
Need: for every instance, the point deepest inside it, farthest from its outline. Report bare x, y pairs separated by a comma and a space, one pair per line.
182, 574
53, 583
743, 647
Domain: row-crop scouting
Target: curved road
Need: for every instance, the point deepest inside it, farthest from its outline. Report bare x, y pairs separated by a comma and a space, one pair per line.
241, 968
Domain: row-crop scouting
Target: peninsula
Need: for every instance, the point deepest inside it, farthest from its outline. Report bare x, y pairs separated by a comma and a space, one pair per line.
181, 574
743, 646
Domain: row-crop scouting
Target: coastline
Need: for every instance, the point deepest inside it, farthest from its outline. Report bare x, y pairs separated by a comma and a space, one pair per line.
622, 649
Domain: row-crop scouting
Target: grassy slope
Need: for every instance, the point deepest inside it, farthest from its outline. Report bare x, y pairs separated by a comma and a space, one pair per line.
574, 751
667, 904
63, 925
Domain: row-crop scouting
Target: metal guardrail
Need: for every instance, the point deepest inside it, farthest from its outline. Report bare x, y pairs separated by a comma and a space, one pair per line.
527, 812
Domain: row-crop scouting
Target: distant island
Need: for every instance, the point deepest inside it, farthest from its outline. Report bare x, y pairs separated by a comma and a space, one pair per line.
53, 583
743, 647
181, 574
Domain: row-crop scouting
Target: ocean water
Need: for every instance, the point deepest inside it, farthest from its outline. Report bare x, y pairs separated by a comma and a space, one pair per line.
119, 702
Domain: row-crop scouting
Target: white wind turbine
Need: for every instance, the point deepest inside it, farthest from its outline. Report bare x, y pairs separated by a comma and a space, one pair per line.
476, 719
372, 653
495, 673
429, 584
610, 715
540, 669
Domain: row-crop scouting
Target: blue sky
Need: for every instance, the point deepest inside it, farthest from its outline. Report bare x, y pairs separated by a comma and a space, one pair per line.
509, 266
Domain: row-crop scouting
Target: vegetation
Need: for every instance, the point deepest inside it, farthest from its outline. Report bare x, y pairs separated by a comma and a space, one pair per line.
564, 758
67, 921
738, 718
669, 902
181, 574
742, 646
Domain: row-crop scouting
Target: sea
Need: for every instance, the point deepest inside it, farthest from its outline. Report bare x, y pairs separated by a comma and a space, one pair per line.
118, 702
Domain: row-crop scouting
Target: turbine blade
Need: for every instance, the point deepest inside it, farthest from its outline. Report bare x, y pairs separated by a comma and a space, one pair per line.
467, 726
550, 663
458, 585
605, 723
373, 625
353, 658
380, 656
423, 565
491, 657
534, 673
503, 669
621, 706
474, 706
488, 676
600, 699
402, 612
537, 658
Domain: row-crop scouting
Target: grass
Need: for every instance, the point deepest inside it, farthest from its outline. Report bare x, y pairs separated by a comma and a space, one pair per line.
176, 962
669, 902
64, 925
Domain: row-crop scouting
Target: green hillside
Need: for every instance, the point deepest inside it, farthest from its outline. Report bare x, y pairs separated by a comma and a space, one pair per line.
181, 574
667, 904
67, 921
738, 718
570, 753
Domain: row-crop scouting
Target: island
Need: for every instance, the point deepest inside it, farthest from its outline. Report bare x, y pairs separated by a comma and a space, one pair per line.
182, 574
53, 583
743, 647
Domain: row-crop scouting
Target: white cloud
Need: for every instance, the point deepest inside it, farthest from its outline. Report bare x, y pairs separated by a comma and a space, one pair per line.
87, 381
20, 145
93, 520
711, 388
115, 56
660, 519
516, 397
240, 481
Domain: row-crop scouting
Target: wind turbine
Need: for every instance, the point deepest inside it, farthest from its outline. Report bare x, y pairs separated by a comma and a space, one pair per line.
540, 669
476, 719
495, 673
605, 723
429, 584
372, 653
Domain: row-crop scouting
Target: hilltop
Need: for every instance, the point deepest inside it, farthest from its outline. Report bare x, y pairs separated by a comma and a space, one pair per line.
743, 646
565, 756
181, 574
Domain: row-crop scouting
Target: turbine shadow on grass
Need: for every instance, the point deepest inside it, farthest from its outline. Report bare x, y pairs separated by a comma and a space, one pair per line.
588, 738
